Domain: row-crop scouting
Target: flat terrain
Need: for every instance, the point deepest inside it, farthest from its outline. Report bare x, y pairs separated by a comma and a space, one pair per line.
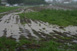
31, 29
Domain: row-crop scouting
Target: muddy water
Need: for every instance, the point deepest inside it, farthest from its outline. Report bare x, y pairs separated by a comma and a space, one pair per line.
43, 29
47, 28
10, 26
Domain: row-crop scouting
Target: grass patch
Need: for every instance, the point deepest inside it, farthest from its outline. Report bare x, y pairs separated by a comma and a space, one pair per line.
59, 17
5, 9
22, 18
7, 44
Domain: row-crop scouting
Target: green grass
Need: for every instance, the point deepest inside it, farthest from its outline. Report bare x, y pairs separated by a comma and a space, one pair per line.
6, 43
58, 17
5, 9
11, 45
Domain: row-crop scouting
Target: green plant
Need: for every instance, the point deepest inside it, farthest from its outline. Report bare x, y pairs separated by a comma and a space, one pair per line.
59, 17
5, 9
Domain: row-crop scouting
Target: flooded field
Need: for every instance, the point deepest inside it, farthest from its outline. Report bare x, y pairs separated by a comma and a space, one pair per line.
11, 26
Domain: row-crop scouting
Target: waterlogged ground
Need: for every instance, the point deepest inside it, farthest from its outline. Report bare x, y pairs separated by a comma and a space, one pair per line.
11, 26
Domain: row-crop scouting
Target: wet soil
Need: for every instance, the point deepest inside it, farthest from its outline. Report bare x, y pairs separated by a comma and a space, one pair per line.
11, 26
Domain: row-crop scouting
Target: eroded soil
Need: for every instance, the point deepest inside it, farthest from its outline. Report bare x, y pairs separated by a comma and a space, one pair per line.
10, 26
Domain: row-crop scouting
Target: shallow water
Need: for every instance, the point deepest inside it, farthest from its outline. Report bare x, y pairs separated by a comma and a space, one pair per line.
10, 26
47, 28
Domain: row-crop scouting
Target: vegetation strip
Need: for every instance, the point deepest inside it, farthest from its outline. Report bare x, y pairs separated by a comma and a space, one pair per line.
5, 9
9, 44
58, 17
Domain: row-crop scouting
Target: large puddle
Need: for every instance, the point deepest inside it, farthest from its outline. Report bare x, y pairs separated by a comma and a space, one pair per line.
10, 26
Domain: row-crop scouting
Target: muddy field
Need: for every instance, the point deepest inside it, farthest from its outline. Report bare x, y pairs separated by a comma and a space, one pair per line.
11, 26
